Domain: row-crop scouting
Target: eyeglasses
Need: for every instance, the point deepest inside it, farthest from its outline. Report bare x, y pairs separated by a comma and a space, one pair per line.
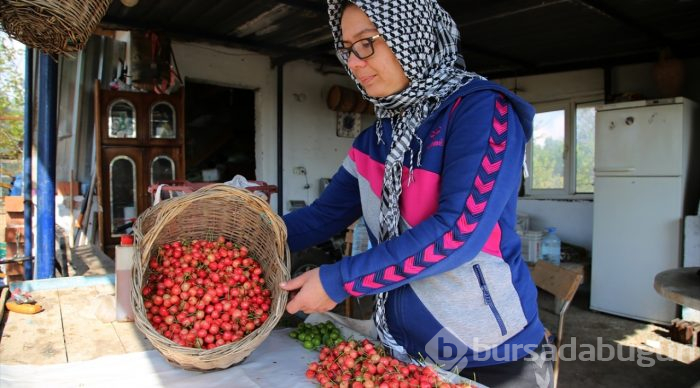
363, 49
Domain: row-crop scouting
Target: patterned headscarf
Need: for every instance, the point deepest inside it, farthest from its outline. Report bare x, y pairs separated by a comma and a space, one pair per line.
425, 40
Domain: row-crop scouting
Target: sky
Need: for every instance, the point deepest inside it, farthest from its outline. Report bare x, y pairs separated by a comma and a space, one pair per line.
549, 125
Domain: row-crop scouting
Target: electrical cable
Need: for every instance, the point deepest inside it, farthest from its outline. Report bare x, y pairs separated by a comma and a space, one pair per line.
307, 186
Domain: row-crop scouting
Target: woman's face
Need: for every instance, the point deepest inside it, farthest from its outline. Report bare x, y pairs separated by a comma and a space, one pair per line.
381, 74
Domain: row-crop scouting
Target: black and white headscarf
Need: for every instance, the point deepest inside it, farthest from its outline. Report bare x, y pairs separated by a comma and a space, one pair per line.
425, 40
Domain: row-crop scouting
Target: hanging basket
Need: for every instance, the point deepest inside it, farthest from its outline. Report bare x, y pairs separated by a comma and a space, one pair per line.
55, 27
217, 210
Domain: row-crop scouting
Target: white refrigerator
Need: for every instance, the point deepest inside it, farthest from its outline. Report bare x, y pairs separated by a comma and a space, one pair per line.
644, 185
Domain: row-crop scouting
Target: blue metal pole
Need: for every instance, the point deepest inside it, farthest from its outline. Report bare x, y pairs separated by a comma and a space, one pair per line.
27, 150
46, 177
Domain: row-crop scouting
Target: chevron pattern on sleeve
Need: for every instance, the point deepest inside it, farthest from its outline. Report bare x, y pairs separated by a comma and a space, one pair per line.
467, 222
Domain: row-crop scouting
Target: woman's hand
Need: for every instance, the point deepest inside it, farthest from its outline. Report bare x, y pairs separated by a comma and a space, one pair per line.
311, 297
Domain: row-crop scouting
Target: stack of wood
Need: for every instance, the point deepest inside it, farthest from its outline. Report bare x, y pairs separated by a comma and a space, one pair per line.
86, 224
685, 332
14, 236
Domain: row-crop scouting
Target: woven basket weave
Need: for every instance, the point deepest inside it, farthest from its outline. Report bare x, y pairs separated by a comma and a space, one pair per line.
217, 210
56, 27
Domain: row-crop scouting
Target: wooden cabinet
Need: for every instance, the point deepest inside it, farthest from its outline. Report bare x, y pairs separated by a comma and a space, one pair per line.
140, 142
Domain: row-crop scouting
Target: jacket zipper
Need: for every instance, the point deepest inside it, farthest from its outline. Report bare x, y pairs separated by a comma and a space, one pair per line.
487, 298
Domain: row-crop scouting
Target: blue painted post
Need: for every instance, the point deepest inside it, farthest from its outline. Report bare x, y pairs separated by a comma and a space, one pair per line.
46, 179
27, 169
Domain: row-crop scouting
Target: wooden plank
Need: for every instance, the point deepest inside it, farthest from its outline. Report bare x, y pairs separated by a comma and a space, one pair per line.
86, 335
556, 280
88, 260
37, 338
131, 338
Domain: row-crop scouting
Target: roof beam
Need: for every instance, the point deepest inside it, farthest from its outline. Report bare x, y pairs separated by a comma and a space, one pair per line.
493, 54
190, 35
313, 51
517, 11
577, 64
601, 9
305, 5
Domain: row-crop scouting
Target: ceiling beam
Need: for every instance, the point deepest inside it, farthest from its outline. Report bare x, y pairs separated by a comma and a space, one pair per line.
314, 51
191, 35
493, 54
618, 17
501, 15
307, 5
577, 64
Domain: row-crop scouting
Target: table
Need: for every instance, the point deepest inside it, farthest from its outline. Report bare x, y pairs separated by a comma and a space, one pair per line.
75, 343
680, 285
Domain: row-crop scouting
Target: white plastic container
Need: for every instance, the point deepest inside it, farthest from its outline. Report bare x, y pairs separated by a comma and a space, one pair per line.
124, 261
551, 247
531, 242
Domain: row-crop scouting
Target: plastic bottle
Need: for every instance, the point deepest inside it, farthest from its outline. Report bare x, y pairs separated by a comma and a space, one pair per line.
551, 247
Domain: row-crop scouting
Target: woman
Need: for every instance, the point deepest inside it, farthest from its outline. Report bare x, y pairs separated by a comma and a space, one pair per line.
436, 179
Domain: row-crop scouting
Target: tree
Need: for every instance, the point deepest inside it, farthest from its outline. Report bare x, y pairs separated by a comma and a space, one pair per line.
11, 100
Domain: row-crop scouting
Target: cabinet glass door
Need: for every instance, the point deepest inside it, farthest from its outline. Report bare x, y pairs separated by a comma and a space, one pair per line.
122, 120
162, 169
122, 179
163, 124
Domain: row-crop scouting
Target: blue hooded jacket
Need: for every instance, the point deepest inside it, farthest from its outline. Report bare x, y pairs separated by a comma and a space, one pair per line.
455, 277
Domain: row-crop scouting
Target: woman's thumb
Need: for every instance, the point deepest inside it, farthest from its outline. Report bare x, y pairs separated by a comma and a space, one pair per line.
294, 283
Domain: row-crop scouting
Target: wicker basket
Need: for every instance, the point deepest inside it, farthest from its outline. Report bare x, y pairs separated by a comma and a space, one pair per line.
56, 27
217, 210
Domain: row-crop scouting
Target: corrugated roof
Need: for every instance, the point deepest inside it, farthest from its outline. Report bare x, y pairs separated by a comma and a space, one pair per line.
498, 37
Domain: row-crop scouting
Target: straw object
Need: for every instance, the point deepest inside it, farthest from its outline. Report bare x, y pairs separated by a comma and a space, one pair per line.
216, 210
56, 27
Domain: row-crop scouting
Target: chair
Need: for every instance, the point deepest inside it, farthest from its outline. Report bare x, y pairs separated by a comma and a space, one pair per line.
563, 284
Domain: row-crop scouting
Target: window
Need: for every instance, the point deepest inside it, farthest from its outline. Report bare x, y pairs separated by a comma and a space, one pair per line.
559, 127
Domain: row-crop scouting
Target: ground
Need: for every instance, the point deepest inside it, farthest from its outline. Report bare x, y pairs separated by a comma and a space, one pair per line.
636, 363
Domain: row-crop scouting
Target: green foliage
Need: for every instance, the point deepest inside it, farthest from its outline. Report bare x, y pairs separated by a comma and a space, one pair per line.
11, 100
548, 164
585, 145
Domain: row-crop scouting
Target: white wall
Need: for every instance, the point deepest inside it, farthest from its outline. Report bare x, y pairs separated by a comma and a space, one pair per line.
557, 86
309, 126
310, 139
573, 219
639, 78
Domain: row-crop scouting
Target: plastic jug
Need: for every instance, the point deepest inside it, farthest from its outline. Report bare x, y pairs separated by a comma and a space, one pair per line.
551, 247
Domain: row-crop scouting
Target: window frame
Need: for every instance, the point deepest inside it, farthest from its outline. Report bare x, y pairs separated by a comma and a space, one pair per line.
568, 192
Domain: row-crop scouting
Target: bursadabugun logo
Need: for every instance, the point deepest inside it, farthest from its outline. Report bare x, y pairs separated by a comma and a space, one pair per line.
446, 351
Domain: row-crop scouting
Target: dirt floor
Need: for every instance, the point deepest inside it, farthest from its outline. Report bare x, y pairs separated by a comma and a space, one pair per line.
644, 355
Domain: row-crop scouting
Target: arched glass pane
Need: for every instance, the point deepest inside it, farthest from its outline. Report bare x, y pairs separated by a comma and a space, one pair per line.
122, 179
163, 121
162, 169
122, 120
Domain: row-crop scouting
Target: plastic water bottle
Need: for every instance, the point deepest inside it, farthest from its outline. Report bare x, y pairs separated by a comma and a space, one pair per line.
551, 247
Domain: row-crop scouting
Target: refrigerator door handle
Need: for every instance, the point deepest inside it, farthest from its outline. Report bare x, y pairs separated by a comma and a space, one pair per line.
621, 169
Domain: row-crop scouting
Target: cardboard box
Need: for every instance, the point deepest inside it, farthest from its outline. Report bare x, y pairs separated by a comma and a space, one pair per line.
14, 203
12, 232
64, 188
